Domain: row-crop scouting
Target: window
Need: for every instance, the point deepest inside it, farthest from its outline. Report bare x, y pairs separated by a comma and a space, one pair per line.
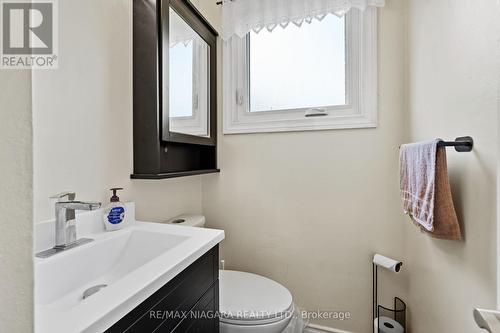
317, 76
315, 52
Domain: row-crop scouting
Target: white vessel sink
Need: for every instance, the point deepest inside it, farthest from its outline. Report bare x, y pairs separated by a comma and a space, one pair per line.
133, 263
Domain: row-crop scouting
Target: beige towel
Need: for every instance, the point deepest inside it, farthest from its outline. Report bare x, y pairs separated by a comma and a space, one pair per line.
425, 189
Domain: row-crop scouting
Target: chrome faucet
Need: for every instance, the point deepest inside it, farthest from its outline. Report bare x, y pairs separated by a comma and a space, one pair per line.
65, 228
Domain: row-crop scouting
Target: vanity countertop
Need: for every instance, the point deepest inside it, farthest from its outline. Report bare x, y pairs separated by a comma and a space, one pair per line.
134, 263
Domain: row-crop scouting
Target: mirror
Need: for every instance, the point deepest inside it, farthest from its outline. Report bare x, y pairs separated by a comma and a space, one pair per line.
188, 97
175, 90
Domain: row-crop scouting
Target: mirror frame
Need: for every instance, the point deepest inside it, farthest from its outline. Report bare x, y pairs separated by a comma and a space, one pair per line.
198, 23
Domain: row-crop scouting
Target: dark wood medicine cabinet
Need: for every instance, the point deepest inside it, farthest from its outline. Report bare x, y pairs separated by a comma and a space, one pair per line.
175, 97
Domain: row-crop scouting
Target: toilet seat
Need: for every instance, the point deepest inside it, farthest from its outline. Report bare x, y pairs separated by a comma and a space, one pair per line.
250, 299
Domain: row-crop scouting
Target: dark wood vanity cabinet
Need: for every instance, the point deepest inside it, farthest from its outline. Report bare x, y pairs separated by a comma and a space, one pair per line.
187, 303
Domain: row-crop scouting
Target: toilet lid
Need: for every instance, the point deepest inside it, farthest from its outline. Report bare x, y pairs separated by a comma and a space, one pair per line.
251, 297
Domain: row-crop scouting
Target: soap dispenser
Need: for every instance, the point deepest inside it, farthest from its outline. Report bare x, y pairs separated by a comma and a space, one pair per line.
114, 212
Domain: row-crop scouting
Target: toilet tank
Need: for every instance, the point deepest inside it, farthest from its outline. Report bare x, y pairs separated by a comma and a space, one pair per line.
188, 220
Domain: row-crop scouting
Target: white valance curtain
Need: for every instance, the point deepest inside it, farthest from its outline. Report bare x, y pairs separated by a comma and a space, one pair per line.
243, 16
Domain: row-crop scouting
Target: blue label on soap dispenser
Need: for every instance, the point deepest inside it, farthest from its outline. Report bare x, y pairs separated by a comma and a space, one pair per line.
116, 215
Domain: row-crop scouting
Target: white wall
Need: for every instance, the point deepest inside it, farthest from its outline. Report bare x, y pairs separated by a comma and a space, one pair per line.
308, 209
452, 91
83, 117
16, 202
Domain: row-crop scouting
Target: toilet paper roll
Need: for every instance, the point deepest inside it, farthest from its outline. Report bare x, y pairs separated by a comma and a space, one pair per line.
388, 263
388, 325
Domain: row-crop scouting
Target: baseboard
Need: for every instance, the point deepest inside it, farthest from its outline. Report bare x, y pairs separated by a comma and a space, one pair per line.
313, 328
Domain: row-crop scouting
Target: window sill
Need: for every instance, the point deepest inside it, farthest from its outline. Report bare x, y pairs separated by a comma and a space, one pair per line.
316, 124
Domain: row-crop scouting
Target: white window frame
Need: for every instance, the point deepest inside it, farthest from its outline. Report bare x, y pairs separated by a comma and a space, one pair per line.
360, 110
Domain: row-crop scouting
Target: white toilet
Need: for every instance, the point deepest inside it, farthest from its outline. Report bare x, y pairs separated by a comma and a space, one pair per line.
249, 303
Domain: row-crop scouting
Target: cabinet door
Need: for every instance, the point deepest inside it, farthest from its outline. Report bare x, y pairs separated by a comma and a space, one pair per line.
166, 307
204, 315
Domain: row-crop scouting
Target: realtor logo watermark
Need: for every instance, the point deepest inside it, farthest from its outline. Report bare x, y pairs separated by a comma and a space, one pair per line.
29, 36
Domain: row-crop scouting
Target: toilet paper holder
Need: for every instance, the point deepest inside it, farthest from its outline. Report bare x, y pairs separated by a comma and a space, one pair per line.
394, 319
398, 312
